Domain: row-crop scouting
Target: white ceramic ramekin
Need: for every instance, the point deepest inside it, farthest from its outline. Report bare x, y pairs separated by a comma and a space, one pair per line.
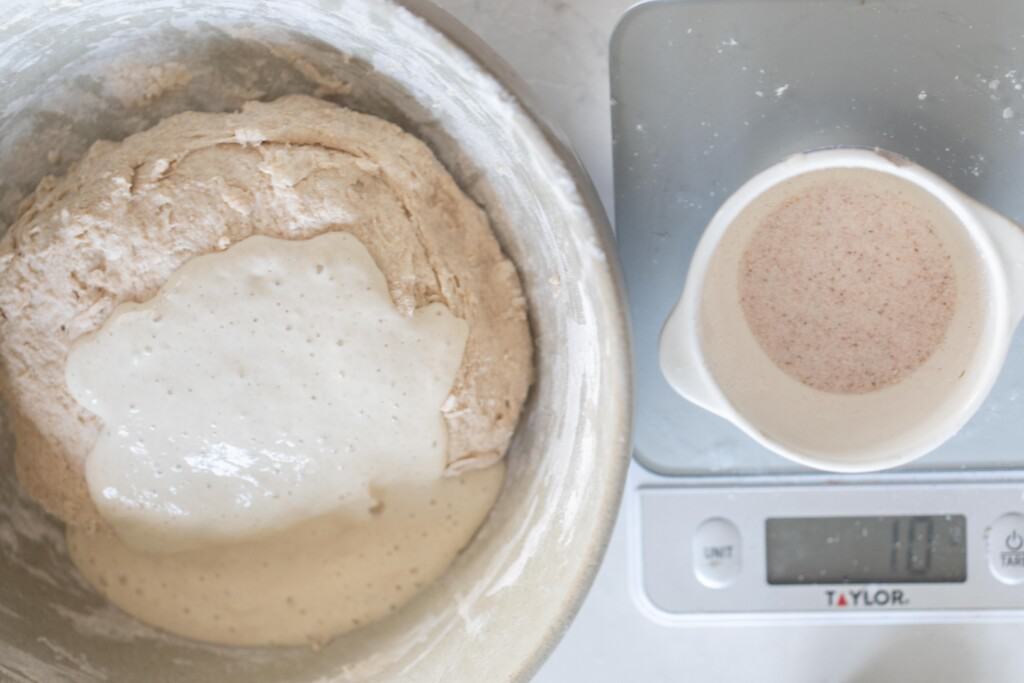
846, 433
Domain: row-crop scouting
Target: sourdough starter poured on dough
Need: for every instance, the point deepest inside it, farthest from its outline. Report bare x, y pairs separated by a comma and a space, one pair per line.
263, 386
273, 456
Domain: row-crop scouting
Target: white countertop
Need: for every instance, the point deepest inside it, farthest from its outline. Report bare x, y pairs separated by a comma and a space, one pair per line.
559, 47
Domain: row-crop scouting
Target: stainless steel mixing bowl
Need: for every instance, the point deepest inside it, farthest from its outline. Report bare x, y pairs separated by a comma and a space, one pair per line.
72, 72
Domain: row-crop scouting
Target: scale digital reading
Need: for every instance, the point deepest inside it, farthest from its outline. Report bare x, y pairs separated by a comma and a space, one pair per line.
824, 550
705, 95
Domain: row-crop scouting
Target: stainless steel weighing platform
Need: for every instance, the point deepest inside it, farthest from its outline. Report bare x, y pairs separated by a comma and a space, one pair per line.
708, 93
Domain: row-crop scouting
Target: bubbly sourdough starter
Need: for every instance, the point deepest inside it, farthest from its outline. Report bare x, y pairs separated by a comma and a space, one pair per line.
273, 392
264, 385
264, 365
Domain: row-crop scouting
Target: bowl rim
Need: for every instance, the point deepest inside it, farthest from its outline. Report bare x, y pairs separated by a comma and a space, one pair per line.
616, 448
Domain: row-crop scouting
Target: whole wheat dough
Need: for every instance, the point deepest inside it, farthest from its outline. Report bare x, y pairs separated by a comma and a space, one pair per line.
130, 213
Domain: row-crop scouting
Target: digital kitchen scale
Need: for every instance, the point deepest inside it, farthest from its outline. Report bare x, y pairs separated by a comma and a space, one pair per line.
705, 94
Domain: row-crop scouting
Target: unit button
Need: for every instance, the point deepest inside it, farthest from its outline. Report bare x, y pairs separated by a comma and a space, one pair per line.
716, 552
1006, 548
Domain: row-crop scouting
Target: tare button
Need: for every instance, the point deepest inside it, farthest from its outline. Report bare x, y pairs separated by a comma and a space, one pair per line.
716, 553
1006, 548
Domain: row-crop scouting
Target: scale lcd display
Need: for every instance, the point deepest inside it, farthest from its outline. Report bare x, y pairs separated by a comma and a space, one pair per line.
836, 550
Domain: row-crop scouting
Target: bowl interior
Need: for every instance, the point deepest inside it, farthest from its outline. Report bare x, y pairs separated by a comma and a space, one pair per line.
77, 72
